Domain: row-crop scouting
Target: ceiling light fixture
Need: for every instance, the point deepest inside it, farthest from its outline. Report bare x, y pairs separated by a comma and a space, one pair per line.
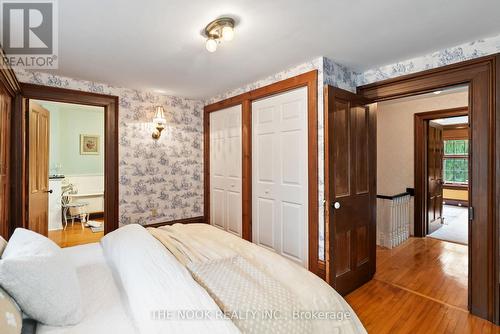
217, 30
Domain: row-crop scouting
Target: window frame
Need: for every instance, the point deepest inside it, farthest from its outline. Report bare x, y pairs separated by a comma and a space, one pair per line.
456, 156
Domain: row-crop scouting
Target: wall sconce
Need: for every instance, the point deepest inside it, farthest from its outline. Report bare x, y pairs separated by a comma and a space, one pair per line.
160, 121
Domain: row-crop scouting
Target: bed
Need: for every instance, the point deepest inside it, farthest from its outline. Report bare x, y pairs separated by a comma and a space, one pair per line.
178, 279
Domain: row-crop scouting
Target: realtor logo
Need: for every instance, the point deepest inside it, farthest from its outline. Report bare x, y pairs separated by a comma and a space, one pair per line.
29, 33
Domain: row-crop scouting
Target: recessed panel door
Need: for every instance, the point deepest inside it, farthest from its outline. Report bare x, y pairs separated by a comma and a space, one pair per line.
279, 174
38, 150
435, 153
352, 172
225, 169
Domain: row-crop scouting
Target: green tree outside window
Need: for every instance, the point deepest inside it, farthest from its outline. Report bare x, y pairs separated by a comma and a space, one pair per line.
456, 161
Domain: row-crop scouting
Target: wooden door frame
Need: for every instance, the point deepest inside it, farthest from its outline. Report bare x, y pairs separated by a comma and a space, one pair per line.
309, 80
483, 77
9, 81
420, 163
19, 148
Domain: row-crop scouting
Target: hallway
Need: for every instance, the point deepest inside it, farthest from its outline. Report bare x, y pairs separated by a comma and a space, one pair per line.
419, 287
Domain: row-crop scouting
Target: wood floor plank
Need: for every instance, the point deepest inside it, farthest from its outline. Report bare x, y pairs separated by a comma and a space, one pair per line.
75, 235
419, 287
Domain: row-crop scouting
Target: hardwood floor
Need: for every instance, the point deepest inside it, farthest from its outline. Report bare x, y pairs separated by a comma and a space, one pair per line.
75, 235
419, 287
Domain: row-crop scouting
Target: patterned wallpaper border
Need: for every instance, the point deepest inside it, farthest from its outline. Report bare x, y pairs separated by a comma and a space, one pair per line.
462, 52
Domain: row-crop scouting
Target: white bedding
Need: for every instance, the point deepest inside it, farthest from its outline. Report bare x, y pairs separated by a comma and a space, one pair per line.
130, 283
158, 286
104, 309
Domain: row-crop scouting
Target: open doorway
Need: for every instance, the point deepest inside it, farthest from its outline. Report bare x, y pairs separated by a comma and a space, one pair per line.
448, 178
448, 275
422, 160
66, 164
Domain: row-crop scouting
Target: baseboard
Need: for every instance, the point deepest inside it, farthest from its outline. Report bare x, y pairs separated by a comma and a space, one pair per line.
456, 202
96, 215
192, 220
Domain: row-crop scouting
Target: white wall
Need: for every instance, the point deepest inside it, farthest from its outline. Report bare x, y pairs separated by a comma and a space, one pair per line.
395, 140
67, 123
395, 137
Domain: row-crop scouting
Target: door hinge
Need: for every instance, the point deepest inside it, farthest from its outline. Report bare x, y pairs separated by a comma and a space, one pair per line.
471, 213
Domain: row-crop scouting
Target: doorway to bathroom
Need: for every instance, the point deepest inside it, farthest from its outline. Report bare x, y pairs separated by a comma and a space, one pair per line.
66, 162
29, 207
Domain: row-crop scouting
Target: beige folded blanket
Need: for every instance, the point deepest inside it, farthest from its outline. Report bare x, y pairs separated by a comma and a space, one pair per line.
255, 302
261, 291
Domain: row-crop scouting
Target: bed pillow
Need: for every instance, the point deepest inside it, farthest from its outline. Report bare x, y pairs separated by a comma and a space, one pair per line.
41, 279
26, 243
10, 315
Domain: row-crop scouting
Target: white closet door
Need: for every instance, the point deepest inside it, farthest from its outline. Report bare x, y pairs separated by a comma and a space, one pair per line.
279, 174
225, 169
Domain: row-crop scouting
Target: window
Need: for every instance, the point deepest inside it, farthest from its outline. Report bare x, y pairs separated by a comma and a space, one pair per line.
456, 161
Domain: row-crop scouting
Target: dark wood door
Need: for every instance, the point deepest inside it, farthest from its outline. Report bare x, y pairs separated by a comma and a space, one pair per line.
351, 186
5, 115
38, 149
435, 151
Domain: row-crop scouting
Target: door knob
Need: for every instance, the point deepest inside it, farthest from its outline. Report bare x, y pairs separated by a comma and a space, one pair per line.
336, 205
49, 191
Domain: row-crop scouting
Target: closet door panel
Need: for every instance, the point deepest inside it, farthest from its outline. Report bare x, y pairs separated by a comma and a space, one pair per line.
233, 201
265, 219
292, 230
279, 154
225, 169
265, 177
293, 174
217, 170
218, 208
265, 173
232, 161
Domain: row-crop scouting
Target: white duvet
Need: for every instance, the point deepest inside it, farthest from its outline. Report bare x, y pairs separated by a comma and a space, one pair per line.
162, 295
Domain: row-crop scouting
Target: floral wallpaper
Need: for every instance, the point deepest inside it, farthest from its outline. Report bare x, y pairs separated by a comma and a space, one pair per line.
466, 51
165, 176
337, 75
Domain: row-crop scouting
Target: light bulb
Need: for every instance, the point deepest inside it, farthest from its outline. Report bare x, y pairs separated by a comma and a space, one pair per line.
228, 33
211, 45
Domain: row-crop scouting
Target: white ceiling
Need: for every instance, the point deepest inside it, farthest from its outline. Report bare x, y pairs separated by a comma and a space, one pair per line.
452, 120
156, 44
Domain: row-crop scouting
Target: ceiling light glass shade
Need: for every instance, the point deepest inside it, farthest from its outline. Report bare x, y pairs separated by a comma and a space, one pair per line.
228, 33
211, 45
159, 116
